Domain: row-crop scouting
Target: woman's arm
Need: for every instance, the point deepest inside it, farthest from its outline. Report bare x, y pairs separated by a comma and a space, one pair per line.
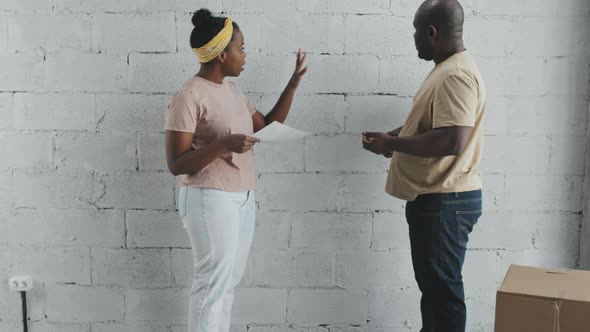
281, 109
183, 159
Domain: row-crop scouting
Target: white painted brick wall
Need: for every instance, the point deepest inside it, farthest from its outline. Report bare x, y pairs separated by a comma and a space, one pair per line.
375, 111
125, 113
273, 230
137, 190
26, 150
368, 34
162, 72
255, 305
6, 105
54, 111
155, 229
374, 270
74, 303
33, 189
21, 72
382, 304
584, 258
86, 72
128, 327
293, 269
64, 265
149, 152
323, 154
326, 306
390, 231
50, 33
64, 228
165, 304
96, 152
26, 5
88, 208
125, 33
132, 267
10, 306
351, 7
298, 29
331, 231
528, 36
320, 114
273, 157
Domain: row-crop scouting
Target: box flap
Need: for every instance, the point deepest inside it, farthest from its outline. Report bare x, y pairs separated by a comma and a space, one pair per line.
547, 283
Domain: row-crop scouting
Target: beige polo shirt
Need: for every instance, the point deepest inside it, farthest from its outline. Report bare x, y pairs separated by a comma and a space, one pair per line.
208, 111
453, 94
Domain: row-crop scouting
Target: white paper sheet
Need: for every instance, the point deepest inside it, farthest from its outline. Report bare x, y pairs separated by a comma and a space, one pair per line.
277, 131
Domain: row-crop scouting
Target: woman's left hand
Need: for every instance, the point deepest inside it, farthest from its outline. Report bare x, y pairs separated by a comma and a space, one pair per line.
300, 70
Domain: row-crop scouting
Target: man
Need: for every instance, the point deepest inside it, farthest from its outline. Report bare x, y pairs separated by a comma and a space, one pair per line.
434, 162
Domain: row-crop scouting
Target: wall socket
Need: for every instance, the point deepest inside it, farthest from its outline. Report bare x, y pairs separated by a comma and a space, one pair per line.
20, 283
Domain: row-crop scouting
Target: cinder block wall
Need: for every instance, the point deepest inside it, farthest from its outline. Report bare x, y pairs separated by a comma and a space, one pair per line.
88, 207
585, 230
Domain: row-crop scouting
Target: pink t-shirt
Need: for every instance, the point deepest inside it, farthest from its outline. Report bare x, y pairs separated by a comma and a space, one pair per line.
210, 110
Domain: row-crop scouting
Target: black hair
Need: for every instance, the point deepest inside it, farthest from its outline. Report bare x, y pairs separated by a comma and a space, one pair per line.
207, 26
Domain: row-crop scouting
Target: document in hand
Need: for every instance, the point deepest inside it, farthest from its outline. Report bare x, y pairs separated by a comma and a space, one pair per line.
277, 131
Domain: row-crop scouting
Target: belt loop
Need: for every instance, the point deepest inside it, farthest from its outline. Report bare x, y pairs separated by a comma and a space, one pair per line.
456, 195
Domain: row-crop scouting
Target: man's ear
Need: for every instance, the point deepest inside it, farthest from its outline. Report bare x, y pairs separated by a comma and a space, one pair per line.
432, 33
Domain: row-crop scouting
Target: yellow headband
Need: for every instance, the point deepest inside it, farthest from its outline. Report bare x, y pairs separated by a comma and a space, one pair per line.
216, 45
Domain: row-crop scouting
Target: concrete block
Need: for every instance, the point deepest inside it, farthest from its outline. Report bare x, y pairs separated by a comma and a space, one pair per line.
155, 229
73, 303
317, 306
132, 267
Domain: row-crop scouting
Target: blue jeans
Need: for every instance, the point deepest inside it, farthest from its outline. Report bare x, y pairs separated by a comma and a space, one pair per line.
439, 230
220, 226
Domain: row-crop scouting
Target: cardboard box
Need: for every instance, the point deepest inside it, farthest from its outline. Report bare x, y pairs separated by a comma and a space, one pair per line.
535, 299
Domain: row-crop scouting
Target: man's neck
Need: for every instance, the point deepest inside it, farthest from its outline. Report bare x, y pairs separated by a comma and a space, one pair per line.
454, 48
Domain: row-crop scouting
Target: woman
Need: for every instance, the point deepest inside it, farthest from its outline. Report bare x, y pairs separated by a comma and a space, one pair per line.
208, 144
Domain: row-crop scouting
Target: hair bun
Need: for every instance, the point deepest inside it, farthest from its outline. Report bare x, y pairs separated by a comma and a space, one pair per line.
201, 17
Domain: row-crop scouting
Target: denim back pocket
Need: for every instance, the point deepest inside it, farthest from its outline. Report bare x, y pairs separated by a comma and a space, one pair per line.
465, 221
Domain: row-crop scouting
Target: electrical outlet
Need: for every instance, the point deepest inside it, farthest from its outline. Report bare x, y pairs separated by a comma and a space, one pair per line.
20, 283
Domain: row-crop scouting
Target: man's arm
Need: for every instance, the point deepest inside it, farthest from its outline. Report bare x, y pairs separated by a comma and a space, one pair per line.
440, 142
394, 132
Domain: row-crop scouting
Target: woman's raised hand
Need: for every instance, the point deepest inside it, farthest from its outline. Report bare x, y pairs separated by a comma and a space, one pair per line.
300, 70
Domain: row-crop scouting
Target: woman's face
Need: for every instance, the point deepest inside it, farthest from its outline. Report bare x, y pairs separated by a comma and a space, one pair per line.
235, 57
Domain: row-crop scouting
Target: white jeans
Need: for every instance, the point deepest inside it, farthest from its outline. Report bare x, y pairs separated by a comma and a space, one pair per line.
220, 226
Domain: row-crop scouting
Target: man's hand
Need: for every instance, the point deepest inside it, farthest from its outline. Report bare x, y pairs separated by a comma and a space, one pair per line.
376, 142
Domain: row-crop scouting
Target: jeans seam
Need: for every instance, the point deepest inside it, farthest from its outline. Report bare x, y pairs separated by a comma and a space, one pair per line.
247, 198
210, 261
470, 200
185, 200
441, 236
459, 229
468, 212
